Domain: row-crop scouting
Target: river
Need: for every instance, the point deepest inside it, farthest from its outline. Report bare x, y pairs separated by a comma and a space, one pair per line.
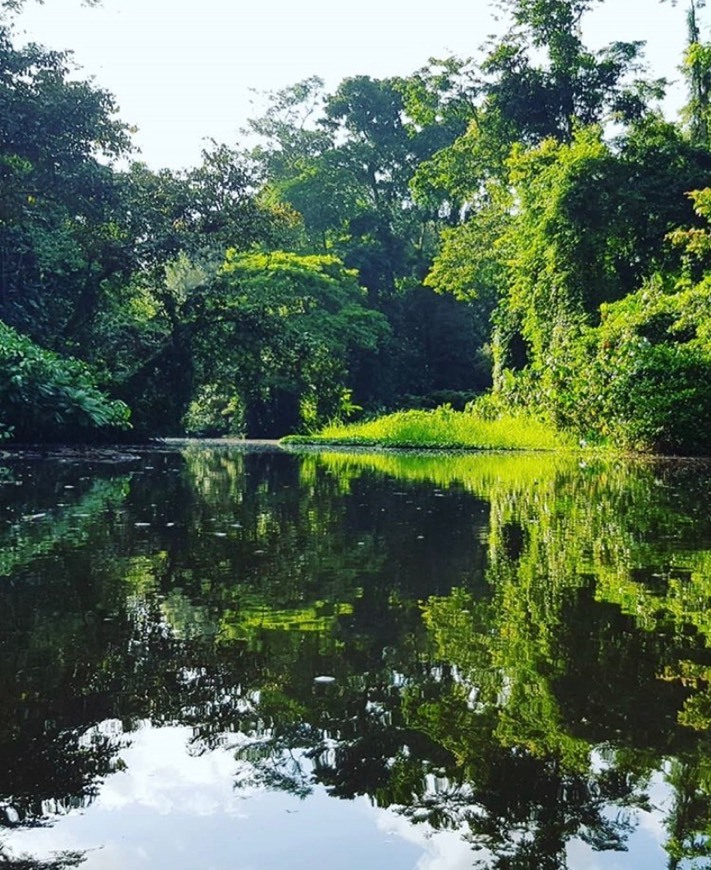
216, 657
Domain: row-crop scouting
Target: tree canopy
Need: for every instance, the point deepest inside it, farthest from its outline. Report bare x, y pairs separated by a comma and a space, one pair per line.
397, 242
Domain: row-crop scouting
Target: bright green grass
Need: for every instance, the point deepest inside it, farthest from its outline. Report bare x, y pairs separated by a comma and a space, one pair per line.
443, 429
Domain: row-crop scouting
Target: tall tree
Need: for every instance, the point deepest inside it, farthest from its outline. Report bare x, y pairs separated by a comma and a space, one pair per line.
292, 331
60, 218
697, 71
345, 162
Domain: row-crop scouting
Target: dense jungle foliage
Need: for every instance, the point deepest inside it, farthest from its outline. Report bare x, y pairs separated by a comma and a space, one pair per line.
526, 222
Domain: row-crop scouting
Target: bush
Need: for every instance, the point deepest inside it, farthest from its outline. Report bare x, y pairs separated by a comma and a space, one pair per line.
642, 379
44, 397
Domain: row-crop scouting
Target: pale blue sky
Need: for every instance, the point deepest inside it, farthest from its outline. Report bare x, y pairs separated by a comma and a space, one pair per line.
183, 70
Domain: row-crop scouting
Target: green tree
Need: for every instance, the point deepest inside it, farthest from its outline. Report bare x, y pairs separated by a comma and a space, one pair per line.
345, 161
574, 87
293, 330
60, 219
697, 71
177, 226
580, 225
537, 81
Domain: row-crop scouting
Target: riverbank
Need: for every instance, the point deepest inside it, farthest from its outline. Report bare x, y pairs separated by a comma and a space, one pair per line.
443, 429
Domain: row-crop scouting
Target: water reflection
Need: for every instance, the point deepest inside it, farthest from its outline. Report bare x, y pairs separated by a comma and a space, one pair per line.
510, 650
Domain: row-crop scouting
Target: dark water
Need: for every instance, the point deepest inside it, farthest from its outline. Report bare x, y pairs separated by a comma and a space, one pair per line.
216, 658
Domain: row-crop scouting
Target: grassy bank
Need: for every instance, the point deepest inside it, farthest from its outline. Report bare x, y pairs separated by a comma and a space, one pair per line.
443, 429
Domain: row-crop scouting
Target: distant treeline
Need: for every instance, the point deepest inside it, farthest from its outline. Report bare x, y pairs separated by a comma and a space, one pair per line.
525, 223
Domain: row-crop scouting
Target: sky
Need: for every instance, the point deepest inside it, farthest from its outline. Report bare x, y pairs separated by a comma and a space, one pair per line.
169, 804
186, 71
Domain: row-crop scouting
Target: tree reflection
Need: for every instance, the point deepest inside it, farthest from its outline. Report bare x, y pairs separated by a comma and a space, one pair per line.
61, 861
515, 646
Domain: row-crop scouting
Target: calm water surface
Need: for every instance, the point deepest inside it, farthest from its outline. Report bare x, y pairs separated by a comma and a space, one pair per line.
218, 658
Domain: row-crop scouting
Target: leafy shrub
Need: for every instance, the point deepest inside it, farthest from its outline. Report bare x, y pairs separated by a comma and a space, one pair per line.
44, 397
642, 378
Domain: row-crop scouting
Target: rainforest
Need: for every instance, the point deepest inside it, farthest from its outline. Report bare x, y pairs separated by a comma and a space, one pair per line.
237, 629
518, 232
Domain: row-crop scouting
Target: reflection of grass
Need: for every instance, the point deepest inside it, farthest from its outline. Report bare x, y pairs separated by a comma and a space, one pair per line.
321, 617
444, 428
476, 472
